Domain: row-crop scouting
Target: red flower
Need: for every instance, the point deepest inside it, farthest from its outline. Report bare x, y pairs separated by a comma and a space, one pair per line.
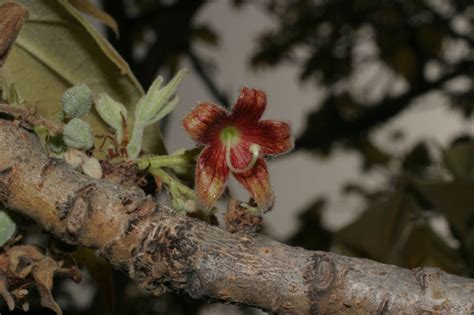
236, 142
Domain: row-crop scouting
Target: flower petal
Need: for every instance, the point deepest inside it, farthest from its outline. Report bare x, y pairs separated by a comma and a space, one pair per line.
240, 155
249, 106
274, 137
211, 174
204, 122
257, 182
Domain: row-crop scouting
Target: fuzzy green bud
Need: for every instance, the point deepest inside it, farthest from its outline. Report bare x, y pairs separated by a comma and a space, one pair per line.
92, 167
77, 101
78, 134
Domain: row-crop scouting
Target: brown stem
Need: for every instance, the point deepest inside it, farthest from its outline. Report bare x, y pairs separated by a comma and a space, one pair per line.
163, 250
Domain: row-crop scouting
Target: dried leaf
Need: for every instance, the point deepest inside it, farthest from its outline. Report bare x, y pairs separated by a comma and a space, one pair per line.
12, 16
239, 219
26, 265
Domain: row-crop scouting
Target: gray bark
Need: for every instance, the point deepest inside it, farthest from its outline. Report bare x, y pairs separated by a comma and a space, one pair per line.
163, 250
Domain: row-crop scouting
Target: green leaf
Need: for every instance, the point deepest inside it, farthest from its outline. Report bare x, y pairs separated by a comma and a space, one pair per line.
156, 104
7, 227
112, 112
56, 49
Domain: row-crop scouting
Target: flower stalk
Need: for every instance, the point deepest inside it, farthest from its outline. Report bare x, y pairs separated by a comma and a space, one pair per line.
159, 161
173, 182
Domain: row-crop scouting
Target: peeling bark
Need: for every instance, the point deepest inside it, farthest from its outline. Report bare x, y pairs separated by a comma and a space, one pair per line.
163, 250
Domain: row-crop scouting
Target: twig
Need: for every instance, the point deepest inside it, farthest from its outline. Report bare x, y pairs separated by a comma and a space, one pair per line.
204, 75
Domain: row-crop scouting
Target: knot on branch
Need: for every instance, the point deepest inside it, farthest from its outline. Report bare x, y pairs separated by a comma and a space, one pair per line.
322, 273
138, 212
320, 276
194, 285
76, 210
427, 277
161, 259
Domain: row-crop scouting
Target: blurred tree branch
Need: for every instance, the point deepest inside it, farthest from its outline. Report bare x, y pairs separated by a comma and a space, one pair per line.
334, 41
203, 73
317, 136
175, 32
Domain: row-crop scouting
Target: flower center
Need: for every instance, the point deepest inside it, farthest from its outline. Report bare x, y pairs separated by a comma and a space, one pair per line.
230, 136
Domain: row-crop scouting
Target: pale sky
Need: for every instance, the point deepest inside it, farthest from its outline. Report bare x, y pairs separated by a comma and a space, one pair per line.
300, 177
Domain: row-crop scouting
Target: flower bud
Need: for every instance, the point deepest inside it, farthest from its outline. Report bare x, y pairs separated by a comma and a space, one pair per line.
75, 157
92, 168
78, 134
77, 101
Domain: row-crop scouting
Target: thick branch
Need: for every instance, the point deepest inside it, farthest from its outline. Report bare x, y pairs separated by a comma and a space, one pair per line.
161, 249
